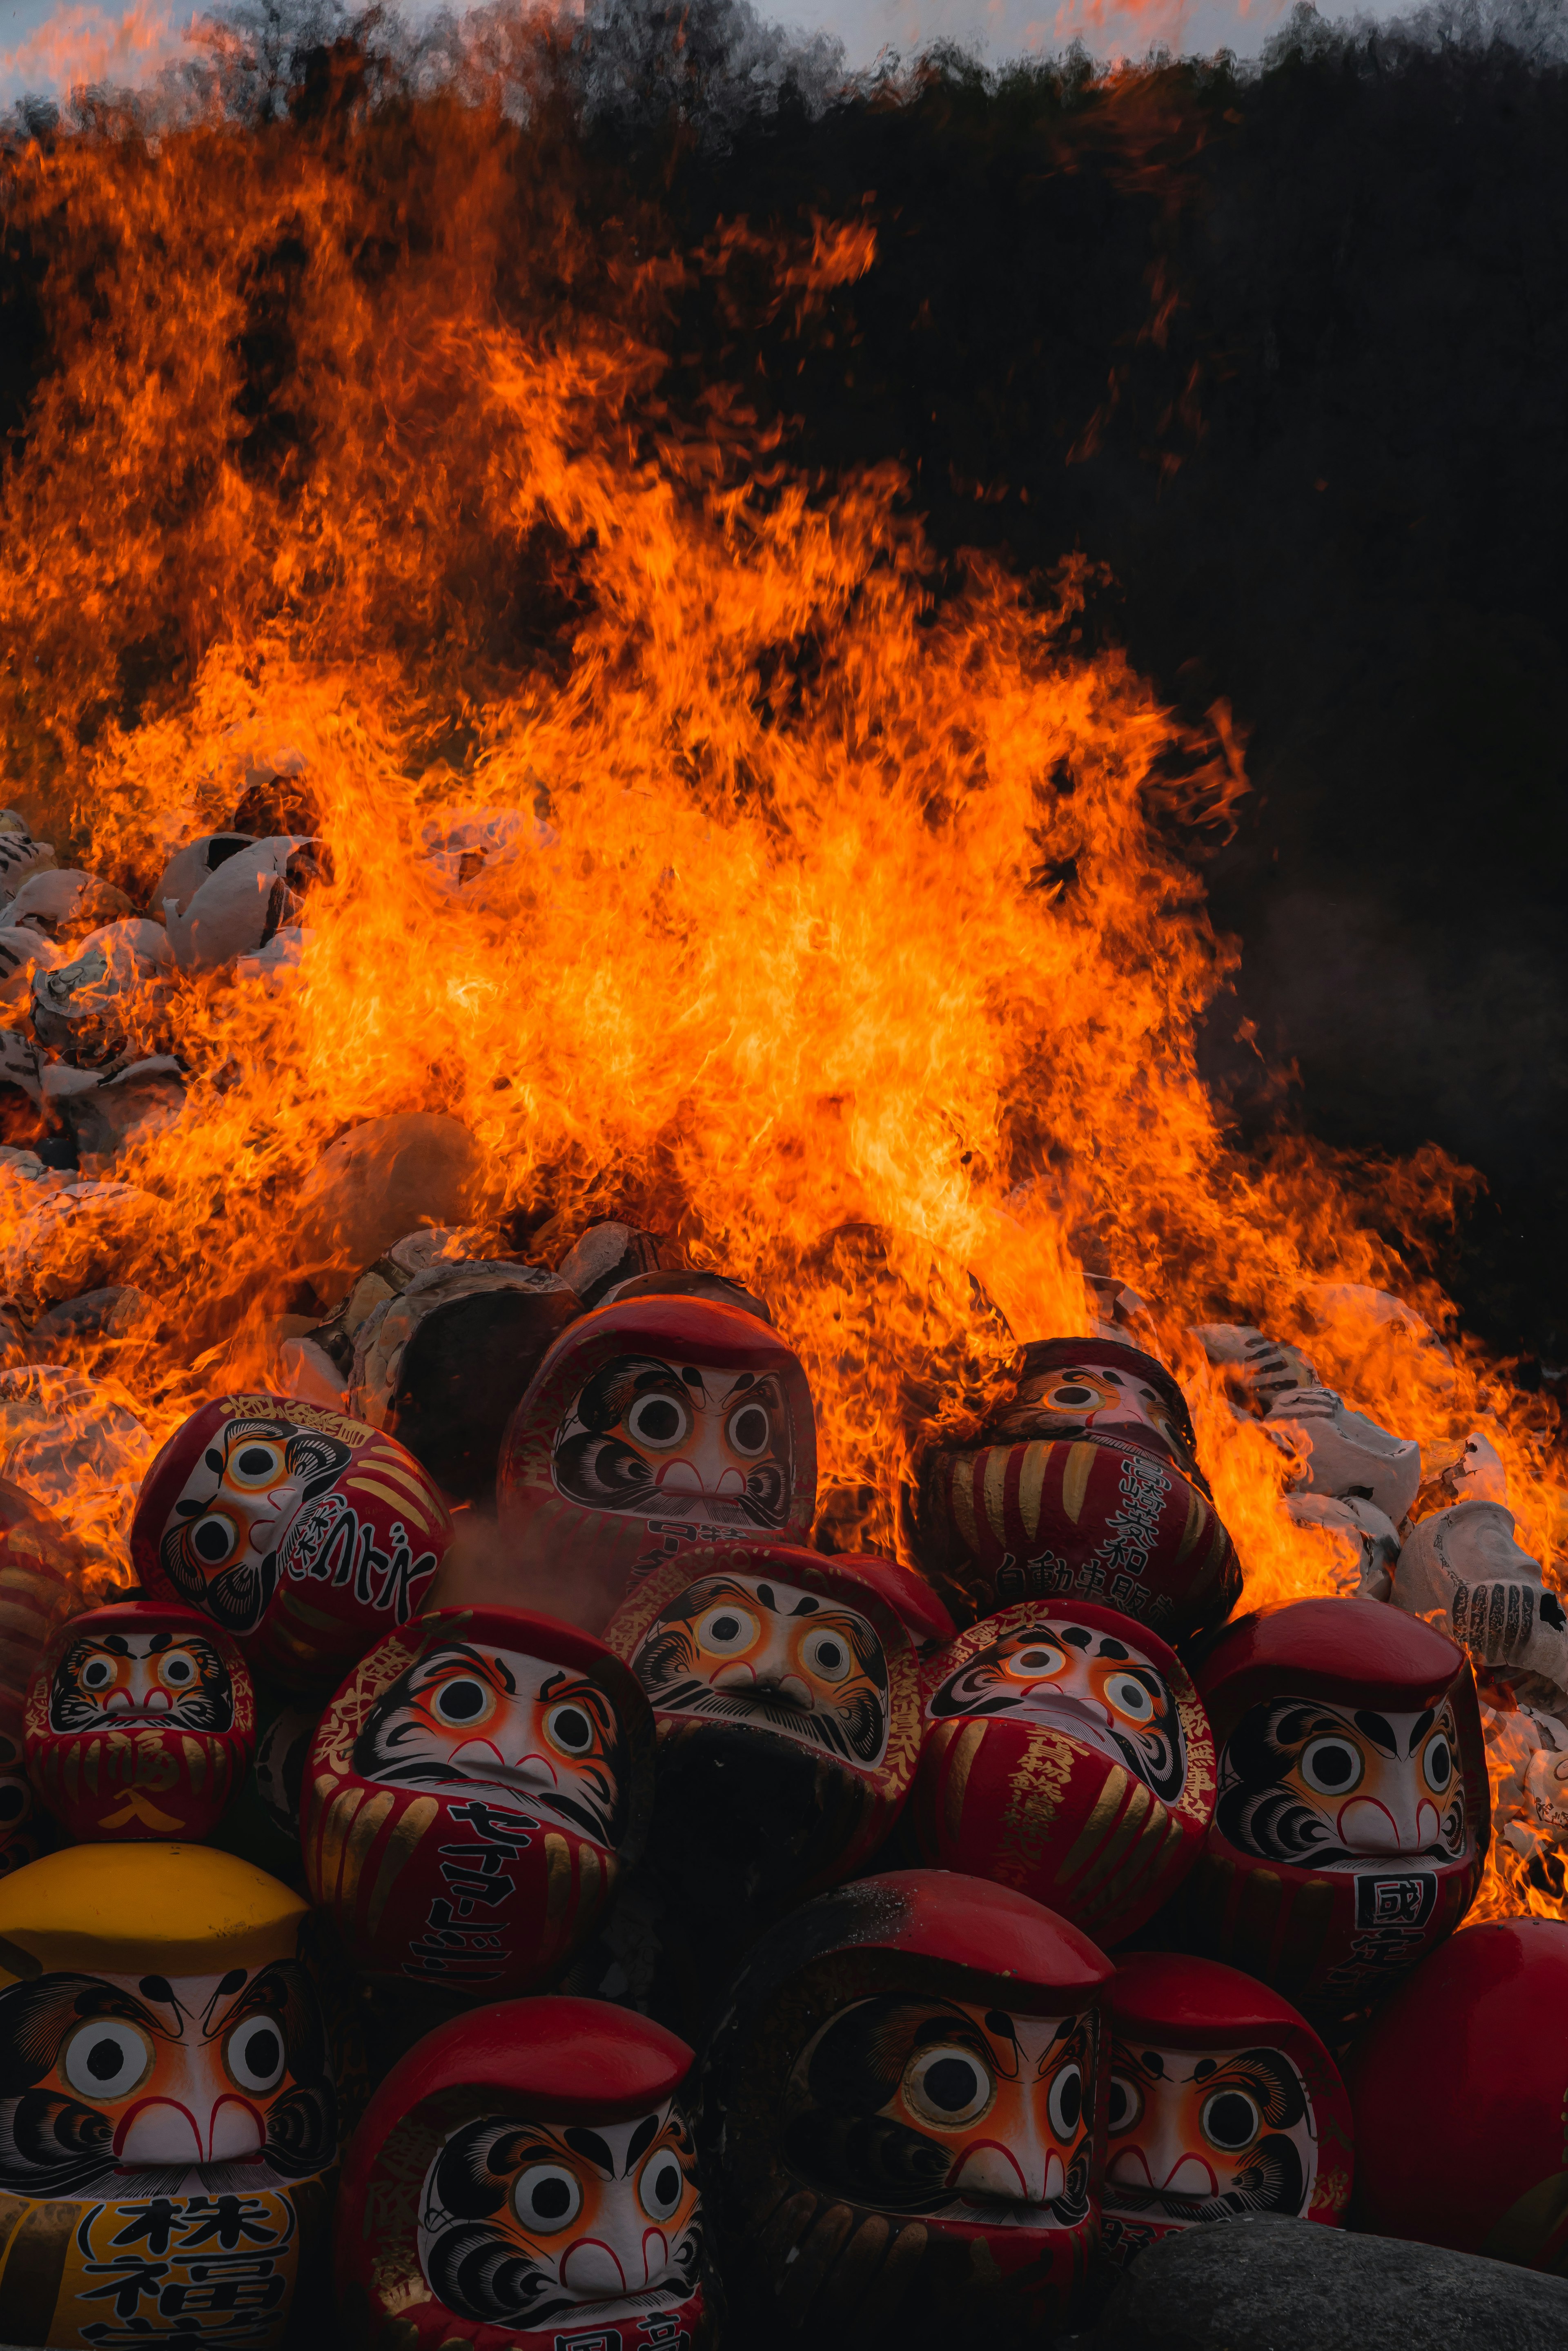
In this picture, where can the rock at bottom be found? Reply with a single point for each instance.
(1268, 2284)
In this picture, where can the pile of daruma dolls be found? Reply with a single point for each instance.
(777, 1961)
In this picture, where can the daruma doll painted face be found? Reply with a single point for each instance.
(1066, 1753)
(471, 1794)
(1223, 2102)
(1354, 1812)
(524, 2178)
(1084, 1487)
(167, 2110)
(305, 1535)
(141, 1723)
(907, 2091)
(654, 1424)
(786, 1691)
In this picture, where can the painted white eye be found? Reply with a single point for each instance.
(1039, 1662)
(659, 1421)
(749, 1429)
(1230, 2120)
(253, 2053)
(568, 1728)
(827, 1654)
(547, 2197)
(461, 1701)
(660, 2184)
(947, 2086)
(253, 1466)
(724, 1632)
(98, 1673)
(1333, 1765)
(178, 1669)
(1438, 1763)
(1064, 2105)
(107, 2059)
(1130, 1698)
(1126, 2103)
(216, 1539)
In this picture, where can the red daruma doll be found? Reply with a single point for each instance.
(472, 1793)
(904, 2103)
(1066, 1753)
(1223, 2102)
(305, 1535)
(652, 1425)
(1354, 1812)
(524, 2179)
(141, 1723)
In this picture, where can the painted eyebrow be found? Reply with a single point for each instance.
(458, 1652)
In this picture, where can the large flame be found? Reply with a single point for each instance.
(836, 901)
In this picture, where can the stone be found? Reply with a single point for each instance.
(1268, 2284)
(375, 1183)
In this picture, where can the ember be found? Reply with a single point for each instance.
(607, 1194)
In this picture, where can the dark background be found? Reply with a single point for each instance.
(1285, 353)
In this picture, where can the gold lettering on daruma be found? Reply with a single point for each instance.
(1036, 1786)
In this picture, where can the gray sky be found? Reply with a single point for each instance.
(48, 44)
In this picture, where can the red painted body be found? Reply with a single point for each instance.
(1460, 2086)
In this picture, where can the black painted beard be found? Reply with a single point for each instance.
(52, 2145)
(854, 1733)
(1273, 2181)
(237, 1599)
(608, 1475)
(592, 1811)
(208, 1704)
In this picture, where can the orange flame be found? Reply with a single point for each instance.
(834, 902)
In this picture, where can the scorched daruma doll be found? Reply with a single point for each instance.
(1223, 2102)
(1085, 1486)
(1066, 1753)
(524, 2179)
(305, 1535)
(471, 1794)
(141, 1723)
(905, 2101)
(167, 2112)
(653, 1425)
(1353, 1811)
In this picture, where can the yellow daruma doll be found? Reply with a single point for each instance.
(167, 2112)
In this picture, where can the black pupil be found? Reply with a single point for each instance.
(1035, 1661)
(751, 1429)
(1069, 2100)
(262, 2052)
(571, 1728)
(178, 1669)
(1334, 1764)
(950, 2083)
(461, 1701)
(1121, 2105)
(828, 1656)
(1438, 1763)
(551, 2199)
(13, 1801)
(254, 1462)
(725, 1628)
(1074, 1396)
(666, 2184)
(1230, 2119)
(105, 2059)
(97, 1675)
(658, 1418)
(212, 1539)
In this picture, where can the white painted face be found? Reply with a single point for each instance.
(119, 2076)
(742, 1649)
(523, 2222)
(1331, 1787)
(1095, 1396)
(647, 1435)
(1083, 1681)
(115, 1679)
(468, 1716)
(1207, 2135)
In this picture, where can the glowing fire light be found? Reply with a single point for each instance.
(835, 904)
